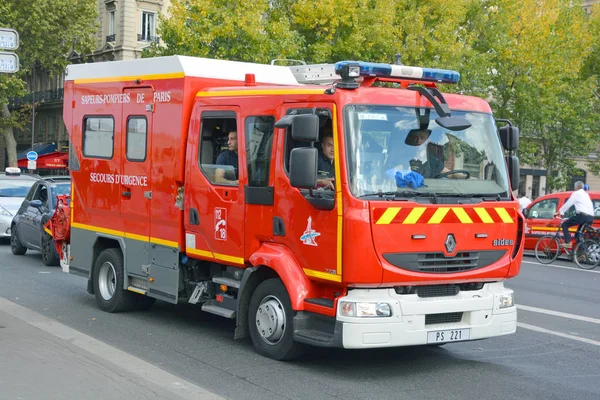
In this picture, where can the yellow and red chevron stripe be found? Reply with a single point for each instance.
(443, 215)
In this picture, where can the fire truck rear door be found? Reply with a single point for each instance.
(134, 179)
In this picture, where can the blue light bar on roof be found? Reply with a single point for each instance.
(402, 72)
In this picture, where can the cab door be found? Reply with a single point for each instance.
(540, 220)
(214, 211)
(313, 236)
(134, 179)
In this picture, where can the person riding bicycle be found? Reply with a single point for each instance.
(584, 211)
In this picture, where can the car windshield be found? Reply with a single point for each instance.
(15, 187)
(402, 151)
(59, 189)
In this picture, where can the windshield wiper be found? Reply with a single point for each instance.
(413, 193)
(386, 195)
(482, 196)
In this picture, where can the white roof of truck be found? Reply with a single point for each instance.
(179, 66)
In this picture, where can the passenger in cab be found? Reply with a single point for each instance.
(228, 157)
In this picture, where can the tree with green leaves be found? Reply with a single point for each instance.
(48, 31)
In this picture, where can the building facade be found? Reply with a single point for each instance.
(126, 28)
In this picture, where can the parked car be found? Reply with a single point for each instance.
(13, 188)
(27, 229)
(539, 215)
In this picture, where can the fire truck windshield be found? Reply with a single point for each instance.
(402, 151)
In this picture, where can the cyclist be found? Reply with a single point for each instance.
(584, 211)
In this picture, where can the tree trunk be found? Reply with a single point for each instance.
(9, 139)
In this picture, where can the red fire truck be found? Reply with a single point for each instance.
(197, 180)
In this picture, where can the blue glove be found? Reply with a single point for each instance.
(410, 178)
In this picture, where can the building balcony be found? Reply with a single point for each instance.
(110, 38)
(44, 96)
(147, 38)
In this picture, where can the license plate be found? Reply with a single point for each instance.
(449, 335)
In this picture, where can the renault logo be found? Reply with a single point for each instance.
(450, 243)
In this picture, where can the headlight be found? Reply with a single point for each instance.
(507, 300)
(4, 211)
(363, 309)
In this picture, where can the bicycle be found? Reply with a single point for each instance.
(549, 247)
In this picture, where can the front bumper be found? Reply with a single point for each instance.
(5, 222)
(481, 315)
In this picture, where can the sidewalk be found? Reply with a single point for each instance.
(43, 359)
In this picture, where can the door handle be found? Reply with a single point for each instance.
(126, 194)
(194, 218)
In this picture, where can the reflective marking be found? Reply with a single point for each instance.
(131, 78)
(202, 253)
(504, 215)
(136, 290)
(439, 215)
(338, 189)
(97, 229)
(484, 215)
(232, 259)
(550, 228)
(414, 215)
(323, 275)
(127, 235)
(388, 215)
(563, 335)
(230, 93)
(133, 236)
(163, 242)
(559, 314)
(47, 231)
(462, 215)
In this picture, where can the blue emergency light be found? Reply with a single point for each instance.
(354, 69)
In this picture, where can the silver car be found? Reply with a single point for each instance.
(14, 186)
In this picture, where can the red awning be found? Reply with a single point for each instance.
(55, 160)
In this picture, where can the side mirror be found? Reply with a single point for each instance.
(512, 163)
(305, 127)
(303, 167)
(509, 136)
(36, 204)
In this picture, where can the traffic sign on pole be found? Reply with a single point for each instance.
(9, 39)
(9, 62)
(32, 155)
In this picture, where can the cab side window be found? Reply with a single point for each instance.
(218, 154)
(325, 123)
(41, 194)
(596, 209)
(545, 209)
(259, 144)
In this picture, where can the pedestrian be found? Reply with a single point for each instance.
(524, 201)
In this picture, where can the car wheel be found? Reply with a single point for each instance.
(270, 319)
(108, 283)
(16, 246)
(49, 254)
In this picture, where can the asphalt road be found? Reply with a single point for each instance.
(555, 353)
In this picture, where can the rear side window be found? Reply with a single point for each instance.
(98, 137)
(137, 134)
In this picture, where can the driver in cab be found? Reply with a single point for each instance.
(404, 156)
(325, 163)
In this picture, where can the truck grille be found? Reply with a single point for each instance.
(438, 262)
(432, 319)
(437, 290)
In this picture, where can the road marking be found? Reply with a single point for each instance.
(563, 335)
(558, 314)
(561, 266)
(133, 365)
(44, 272)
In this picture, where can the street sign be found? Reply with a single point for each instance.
(9, 62)
(31, 164)
(9, 39)
(32, 156)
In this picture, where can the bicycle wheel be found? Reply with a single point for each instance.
(587, 254)
(547, 249)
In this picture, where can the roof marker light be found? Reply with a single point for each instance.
(402, 71)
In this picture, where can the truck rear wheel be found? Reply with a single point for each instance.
(108, 283)
(270, 319)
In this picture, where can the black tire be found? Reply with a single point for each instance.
(49, 254)
(547, 249)
(587, 254)
(144, 303)
(16, 246)
(271, 302)
(108, 283)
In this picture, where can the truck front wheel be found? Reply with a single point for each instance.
(270, 319)
(108, 283)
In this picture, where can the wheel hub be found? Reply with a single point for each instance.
(270, 320)
(107, 281)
